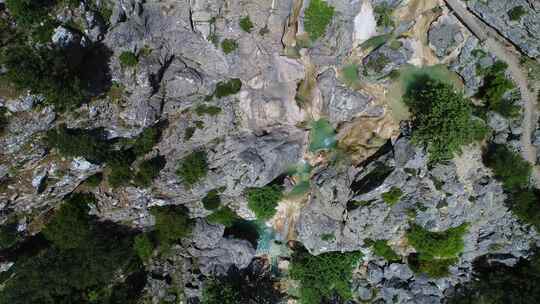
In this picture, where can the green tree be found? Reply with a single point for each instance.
(172, 224)
(229, 45)
(128, 59)
(143, 246)
(494, 88)
(323, 275)
(317, 16)
(442, 118)
(70, 227)
(508, 167)
(245, 24)
(212, 200)
(263, 201)
(149, 170)
(392, 196)
(224, 216)
(193, 168)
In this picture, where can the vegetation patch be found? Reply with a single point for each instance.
(392, 196)
(508, 167)
(148, 170)
(224, 216)
(128, 59)
(317, 17)
(82, 258)
(516, 13)
(144, 246)
(245, 24)
(435, 250)
(212, 200)
(229, 45)
(383, 14)
(227, 88)
(442, 118)
(172, 224)
(496, 85)
(322, 276)
(263, 201)
(381, 248)
(350, 74)
(203, 109)
(193, 168)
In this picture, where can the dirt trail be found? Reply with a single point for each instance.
(506, 52)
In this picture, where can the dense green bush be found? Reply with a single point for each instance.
(516, 13)
(29, 12)
(224, 216)
(508, 167)
(444, 244)
(172, 224)
(9, 235)
(495, 86)
(84, 258)
(381, 248)
(435, 250)
(525, 205)
(383, 15)
(496, 283)
(263, 201)
(193, 168)
(128, 59)
(442, 118)
(392, 196)
(323, 275)
(251, 285)
(203, 109)
(212, 200)
(45, 71)
(120, 168)
(89, 144)
(148, 138)
(226, 88)
(143, 246)
(149, 170)
(94, 180)
(317, 16)
(229, 45)
(70, 227)
(245, 24)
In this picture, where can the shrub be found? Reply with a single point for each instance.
(444, 244)
(245, 24)
(47, 72)
(508, 167)
(323, 275)
(383, 14)
(94, 180)
(172, 224)
(392, 197)
(210, 110)
(442, 118)
(29, 12)
(524, 204)
(228, 46)
(516, 13)
(436, 251)
(212, 200)
(381, 248)
(143, 246)
(226, 88)
(224, 216)
(252, 285)
(70, 226)
(149, 170)
(120, 172)
(263, 201)
(350, 74)
(9, 235)
(317, 16)
(193, 168)
(89, 144)
(128, 59)
(495, 86)
(148, 138)
(84, 256)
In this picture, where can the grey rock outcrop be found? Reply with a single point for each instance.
(382, 61)
(445, 35)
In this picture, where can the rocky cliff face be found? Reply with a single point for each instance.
(248, 94)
